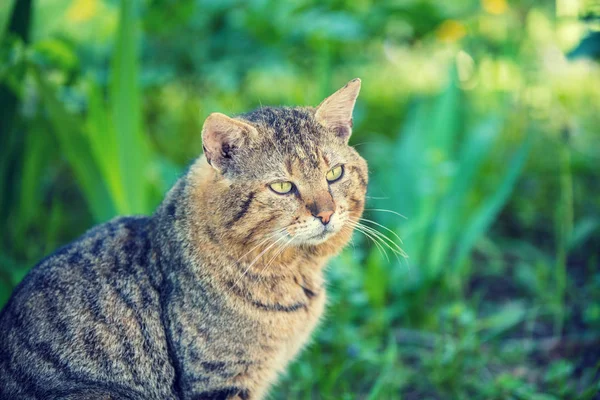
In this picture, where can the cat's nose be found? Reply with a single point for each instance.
(324, 216)
(322, 207)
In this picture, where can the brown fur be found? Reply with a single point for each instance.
(204, 299)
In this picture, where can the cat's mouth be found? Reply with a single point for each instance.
(314, 232)
(323, 235)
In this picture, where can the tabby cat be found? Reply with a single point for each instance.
(213, 295)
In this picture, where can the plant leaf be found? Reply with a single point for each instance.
(487, 213)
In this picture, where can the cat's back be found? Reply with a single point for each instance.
(87, 315)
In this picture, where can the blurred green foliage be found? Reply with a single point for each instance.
(476, 127)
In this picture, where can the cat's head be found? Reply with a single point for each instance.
(288, 173)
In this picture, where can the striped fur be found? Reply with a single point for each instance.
(179, 305)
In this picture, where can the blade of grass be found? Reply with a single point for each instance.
(445, 118)
(564, 230)
(478, 144)
(103, 143)
(486, 214)
(33, 165)
(386, 381)
(76, 149)
(505, 319)
(19, 28)
(409, 185)
(19, 22)
(435, 149)
(582, 231)
(126, 111)
(375, 283)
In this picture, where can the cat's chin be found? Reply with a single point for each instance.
(317, 239)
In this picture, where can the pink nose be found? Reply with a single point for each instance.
(324, 216)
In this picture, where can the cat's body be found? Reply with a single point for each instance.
(213, 295)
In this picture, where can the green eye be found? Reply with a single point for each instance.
(335, 173)
(281, 187)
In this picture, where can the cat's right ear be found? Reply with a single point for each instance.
(335, 112)
(222, 137)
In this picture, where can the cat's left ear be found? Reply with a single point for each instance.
(335, 112)
(222, 137)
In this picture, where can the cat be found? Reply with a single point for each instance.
(216, 292)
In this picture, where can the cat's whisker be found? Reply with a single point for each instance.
(270, 236)
(256, 259)
(379, 247)
(264, 251)
(360, 144)
(350, 230)
(279, 251)
(387, 211)
(375, 241)
(385, 240)
(382, 226)
(396, 254)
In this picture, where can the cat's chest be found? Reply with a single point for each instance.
(284, 333)
(284, 309)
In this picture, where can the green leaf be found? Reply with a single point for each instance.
(57, 52)
(487, 213)
(77, 151)
(505, 319)
(582, 231)
(36, 144)
(103, 143)
(376, 278)
(133, 151)
(445, 118)
(477, 146)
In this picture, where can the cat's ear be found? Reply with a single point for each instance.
(335, 112)
(222, 136)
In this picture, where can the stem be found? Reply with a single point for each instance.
(564, 230)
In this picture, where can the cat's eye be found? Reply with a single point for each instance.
(335, 173)
(281, 187)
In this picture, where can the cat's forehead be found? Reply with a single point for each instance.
(287, 127)
(292, 133)
(289, 139)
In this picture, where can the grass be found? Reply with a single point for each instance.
(498, 298)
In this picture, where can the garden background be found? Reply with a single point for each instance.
(480, 122)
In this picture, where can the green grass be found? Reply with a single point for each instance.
(498, 298)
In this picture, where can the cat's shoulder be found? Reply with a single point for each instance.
(104, 250)
(103, 241)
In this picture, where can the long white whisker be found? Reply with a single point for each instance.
(346, 227)
(382, 226)
(358, 227)
(384, 210)
(386, 241)
(271, 236)
(383, 237)
(279, 251)
(379, 247)
(257, 257)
